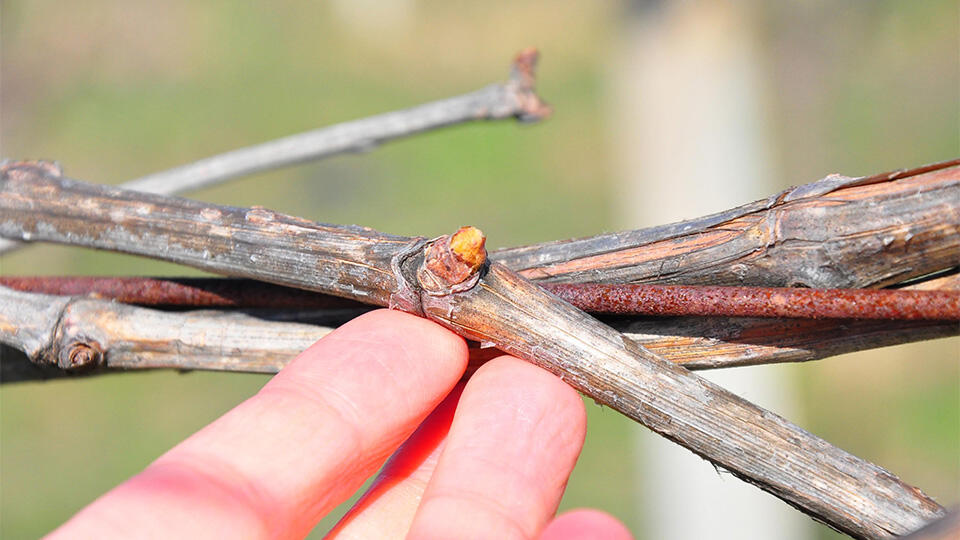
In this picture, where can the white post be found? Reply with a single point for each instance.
(688, 123)
(377, 20)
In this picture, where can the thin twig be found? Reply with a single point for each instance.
(484, 302)
(628, 299)
(192, 293)
(618, 299)
(515, 98)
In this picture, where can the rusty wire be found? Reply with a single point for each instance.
(622, 299)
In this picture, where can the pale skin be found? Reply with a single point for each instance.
(489, 459)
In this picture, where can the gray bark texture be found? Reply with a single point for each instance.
(839, 232)
(513, 99)
(494, 305)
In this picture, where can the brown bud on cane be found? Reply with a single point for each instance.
(453, 263)
(80, 355)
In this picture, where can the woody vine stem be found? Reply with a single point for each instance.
(450, 280)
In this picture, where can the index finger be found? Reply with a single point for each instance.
(279, 461)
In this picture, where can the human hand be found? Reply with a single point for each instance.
(488, 460)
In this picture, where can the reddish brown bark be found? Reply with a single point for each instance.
(660, 300)
(761, 301)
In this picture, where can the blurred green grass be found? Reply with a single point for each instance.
(116, 90)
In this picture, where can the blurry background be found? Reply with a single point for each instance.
(114, 90)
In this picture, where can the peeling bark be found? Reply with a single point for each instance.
(500, 307)
(840, 232)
